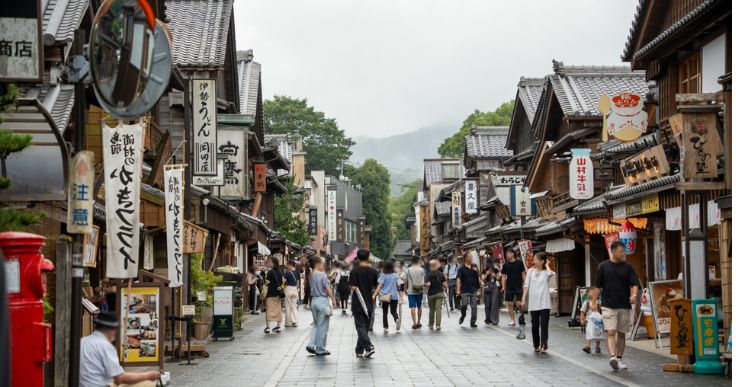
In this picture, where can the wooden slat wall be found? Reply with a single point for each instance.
(171, 118)
(677, 10)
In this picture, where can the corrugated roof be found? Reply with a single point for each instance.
(60, 19)
(578, 88)
(249, 81)
(200, 30)
(487, 142)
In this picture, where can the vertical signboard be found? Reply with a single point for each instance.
(521, 204)
(705, 322)
(231, 143)
(81, 202)
(681, 324)
(340, 225)
(259, 177)
(424, 229)
(174, 187)
(331, 215)
(312, 221)
(141, 336)
(471, 197)
(457, 214)
(581, 174)
(526, 253)
(702, 145)
(123, 157)
(204, 118)
(361, 228)
(21, 49)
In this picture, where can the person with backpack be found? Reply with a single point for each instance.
(415, 290)
(274, 294)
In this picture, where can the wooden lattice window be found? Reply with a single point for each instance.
(689, 74)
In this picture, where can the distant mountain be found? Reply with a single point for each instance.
(403, 153)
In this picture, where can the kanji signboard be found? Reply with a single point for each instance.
(231, 143)
(457, 212)
(204, 111)
(21, 48)
(471, 197)
(581, 174)
(81, 201)
(174, 190)
(331, 214)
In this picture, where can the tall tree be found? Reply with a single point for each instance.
(324, 142)
(285, 209)
(374, 181)
(402, 206)
(454, 146)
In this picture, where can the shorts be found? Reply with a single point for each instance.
(514, 294)
(415, 300)
(616, 319)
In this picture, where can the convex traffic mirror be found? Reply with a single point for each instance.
(130, 58)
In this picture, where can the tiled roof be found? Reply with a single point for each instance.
(60, 19)
(529, 93)
(594, 205)
(487, 142)
(578, 88)
(642, 189)
(58, 100)
(402, 248)
(249, 81)
(635, 29)
(433, 169)
(554, 227)
(615, 147)
(200, 31)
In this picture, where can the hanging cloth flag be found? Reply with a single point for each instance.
(123, 157)
(148, 252)
(174, 189)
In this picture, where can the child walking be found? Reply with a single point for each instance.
(590, 313)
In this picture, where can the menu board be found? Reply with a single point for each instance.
(141, 334)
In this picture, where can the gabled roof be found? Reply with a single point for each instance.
(200, 31)
(433, 170)
(528, 95)
(487, 142)
(578, 88)
(249, 81)
(60, 19)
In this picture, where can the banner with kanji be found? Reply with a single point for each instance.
(174, 192)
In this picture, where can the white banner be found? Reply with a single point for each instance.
(81, 187)
(507, 180)
(673, 216)
(331, 215)
(204, 111)
(581, 174)
(471, 196)
(123, 157)
(231, 141)
(174, 192)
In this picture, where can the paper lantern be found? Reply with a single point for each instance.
(627, 236)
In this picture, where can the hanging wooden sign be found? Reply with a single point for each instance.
(650, 164)
(259, 177)
(204, 106)
(194, 238)
(701, 144)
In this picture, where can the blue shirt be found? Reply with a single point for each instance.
(318, 281)
(389, 285)
(291, 277)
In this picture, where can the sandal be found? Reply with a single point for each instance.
(267, 330)
(277, 330)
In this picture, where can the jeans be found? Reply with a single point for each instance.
(252, 298)
(491, 302)
(540, 319)
(292, 294)
(318, 338)
(385, 305)
(472, 299)
(435, 308)
(451, 289)
(362, 323)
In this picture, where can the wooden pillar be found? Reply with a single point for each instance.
(725, 228)
(63, 311)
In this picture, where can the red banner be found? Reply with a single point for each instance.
(610, 238)
(259, 177)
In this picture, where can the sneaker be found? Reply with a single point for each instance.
(311, 350)
(276, 330)
(621, 365)
(369, 352)
(521, 334)
(614, 363)
(511, 323)
(266, 330)
(439, 327)
(398, 324)
(598, 350)
(385, 330)
(462, 318)
(586, 349)
(473, 325)
(325, 353)
(359, 355)
(344, 313)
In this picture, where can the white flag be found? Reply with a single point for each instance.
(173, 179)
(123, 157)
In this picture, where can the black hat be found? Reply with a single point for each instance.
(107, 319)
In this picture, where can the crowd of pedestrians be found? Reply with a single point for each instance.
(451, 285)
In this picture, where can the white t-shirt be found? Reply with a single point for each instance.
(98, 361)
(538, 284)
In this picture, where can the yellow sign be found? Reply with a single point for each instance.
(624, 117)
(424, 229)
(650, 204)
(140, 324)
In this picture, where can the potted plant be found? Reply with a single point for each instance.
(202, 282)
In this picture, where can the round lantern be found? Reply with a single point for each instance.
(627, 236)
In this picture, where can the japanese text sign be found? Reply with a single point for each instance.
(81, 200)
(259, 177)
(471, 197)
(123, 156)
(681, 326)
(204, 112)
(332, 215)
(174, 190)
(194, 238)
(581, 174)
(457, 212)
(21, 48)
(705, 323)
(521, 204)
(312, 225)
(702, 145)
(340, 224)
(507, 180)
(526, 253)
(231, 142)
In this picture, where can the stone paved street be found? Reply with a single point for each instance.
(455, 355)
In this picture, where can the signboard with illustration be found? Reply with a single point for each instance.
(662, 293)
(624, 117)
(609, 239)
(705, 322)
(141, 336)
(581, 174)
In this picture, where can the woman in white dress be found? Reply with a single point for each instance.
(536, 287)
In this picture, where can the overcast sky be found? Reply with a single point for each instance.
(384, 67)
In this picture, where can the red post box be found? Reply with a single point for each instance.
(30, 337)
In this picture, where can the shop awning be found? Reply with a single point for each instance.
(602, 226)
(262, 249)
(559, 245)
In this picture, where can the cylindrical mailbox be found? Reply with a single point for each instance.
(30, 337)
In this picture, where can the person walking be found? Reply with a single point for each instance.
(307, 272)
(387, 292)
(274, 293)
(322, 301)
(451, 275)
(292, 293)
(415, 290)
(536, 286)
(512, 283)
(436, 284)
(251, 280)
(490, 279)
(466, 287)
(363, 279)
(343, 288)
(619, 285)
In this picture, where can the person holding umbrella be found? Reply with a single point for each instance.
(363, 279)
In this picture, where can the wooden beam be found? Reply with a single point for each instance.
(700, 185)
(257, 205)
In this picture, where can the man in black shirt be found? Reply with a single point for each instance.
(363, 280)
(619, 286)
(513, 275)
(466, 287)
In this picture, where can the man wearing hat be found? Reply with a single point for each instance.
(99, 364)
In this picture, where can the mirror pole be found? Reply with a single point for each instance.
(186, 299)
